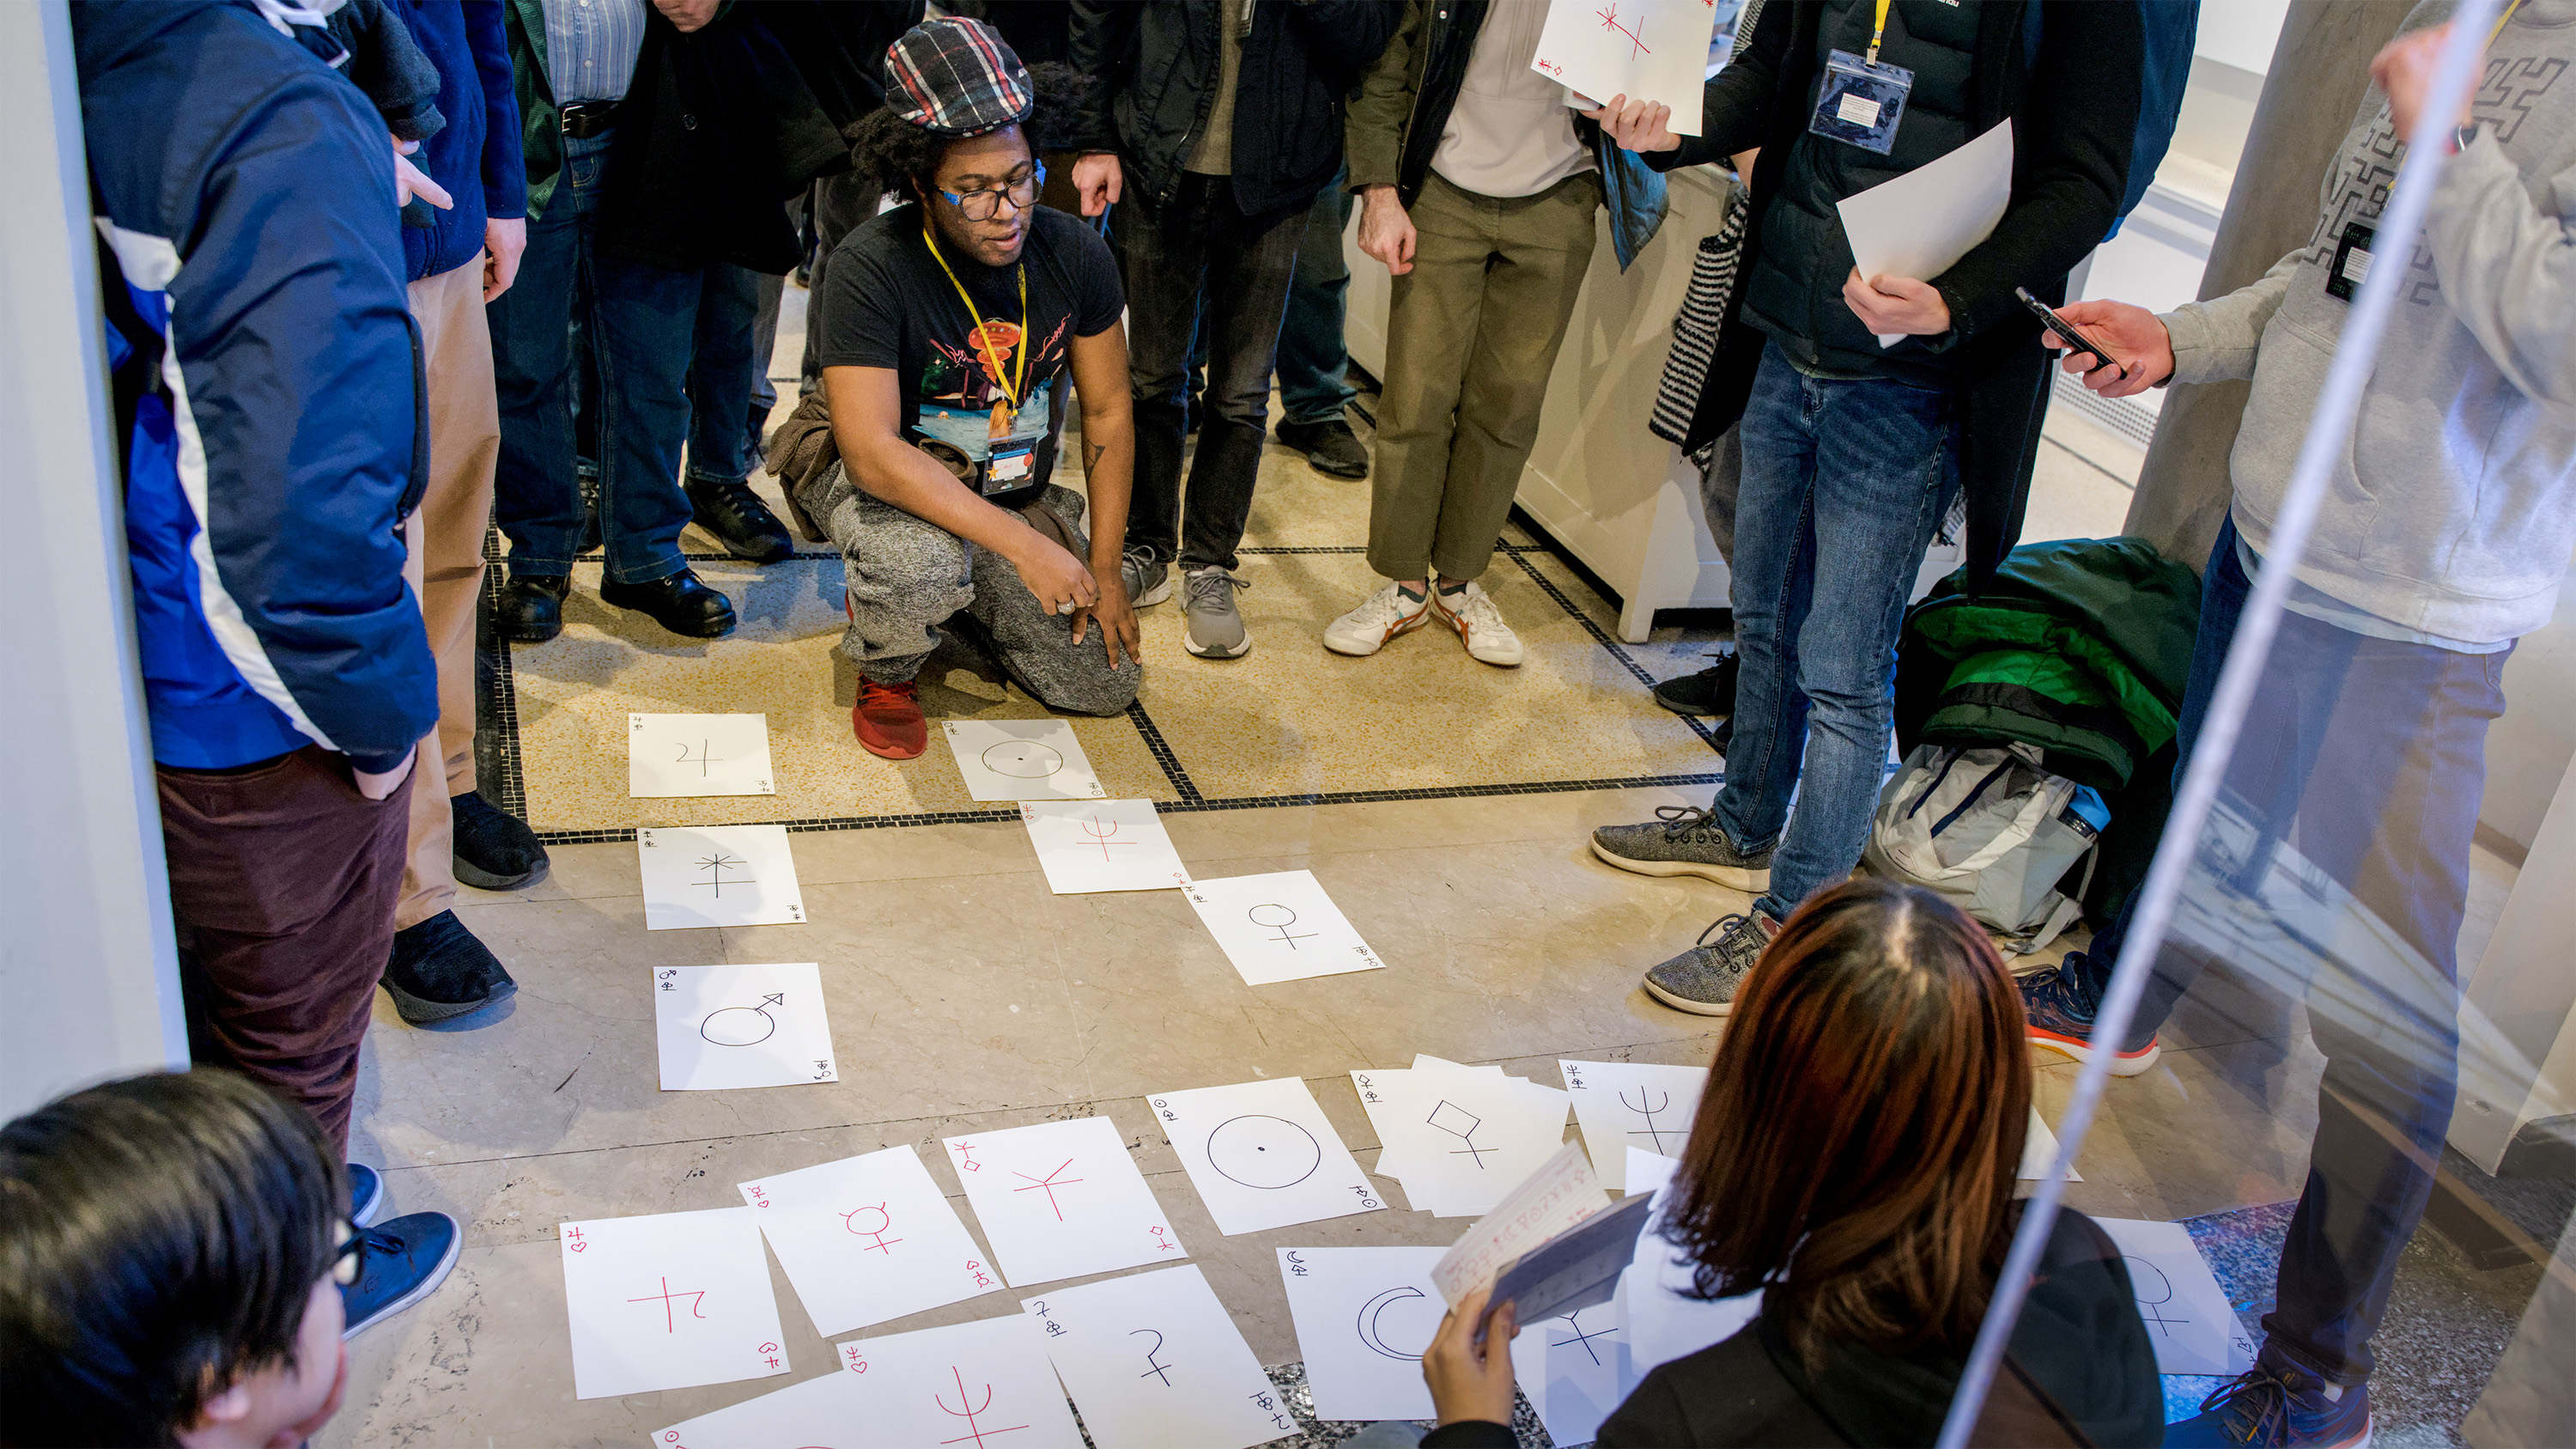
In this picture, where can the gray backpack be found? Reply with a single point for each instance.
(1993, 833)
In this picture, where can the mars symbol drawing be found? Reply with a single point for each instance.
(741, 1026)
(1267, 1152)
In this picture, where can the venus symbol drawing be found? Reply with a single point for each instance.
(742, 1026)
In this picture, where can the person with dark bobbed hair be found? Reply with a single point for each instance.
(177, 1266)
(1854, 1161)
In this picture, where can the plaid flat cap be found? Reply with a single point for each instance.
(954, 77)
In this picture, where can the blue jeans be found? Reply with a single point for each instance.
(724, 374)
(1860, 473)
(639, 321)
(1312, 358)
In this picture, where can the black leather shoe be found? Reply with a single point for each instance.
(531, 607)
(678, 603)
(492, 850)
(1330, 447)
(1709, 693)
(729, 509)
(439, 971)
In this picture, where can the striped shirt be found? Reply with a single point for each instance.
(591, 47)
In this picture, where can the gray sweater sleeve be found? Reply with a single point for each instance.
(2507, 265)
(2215, 341)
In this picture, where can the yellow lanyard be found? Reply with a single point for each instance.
(983, 335)
(1878, 32)
(2502, 21)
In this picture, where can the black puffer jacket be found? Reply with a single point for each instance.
(1150, 71)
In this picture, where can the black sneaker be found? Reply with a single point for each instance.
(1330, 447)
(366, 1194)
(439, 972)
(399, 1263)
(727, 508)
(1710, 692)
(494, 851)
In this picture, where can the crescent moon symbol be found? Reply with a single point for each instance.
(1368, 1321)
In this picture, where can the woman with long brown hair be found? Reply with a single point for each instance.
(1854, 1161)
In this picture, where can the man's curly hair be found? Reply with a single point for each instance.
(889, 153)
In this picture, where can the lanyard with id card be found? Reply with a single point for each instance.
(1011, 458)
(1862, 100)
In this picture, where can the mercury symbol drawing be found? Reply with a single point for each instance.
(1050, 1184)
(1100, 836)
(714, 867)
(1371, 1332)
(742, 1026)
(962, 1412)
(670, 1319)
(885, 1225)
(1153, 1370)
(1282, 919)
(1022, 759)
(1265, 1152)
(1650, 1131)
(1446, 1116)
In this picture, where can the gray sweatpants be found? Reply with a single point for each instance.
(907, 577)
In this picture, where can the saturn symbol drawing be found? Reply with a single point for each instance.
(742, 1026)
(1269, 1152)
(1022, 759)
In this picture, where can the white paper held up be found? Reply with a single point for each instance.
(2187, 1314)
(818, 1412)
(671, 755)
(1154, 1359)
(1561, 1193)
(718, 875)
(1658, 1297)
(868, 1239)
(1021, 759)
(1262, 1155)
(1648, 1171)
(1279, 927)
(1646, 50)
(1919, 224)
(741, 1026)
(1631, 1104)
(1088, 846)
(985, 1383)
(668, 1301)
(1062, 1200)
(1363, 1318)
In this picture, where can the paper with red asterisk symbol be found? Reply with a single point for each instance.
(1062, 1200)
(868, 1239)
(668, 1301)
(980, 1385)
(1649, 50)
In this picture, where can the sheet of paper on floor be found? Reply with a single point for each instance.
(1920, 223)
(967, 1383)
(1457, 1138)
(1664, 1320)
(1263, 1155)
(1647, 1171)
(1391, 1163)
(2038, 1149)
(816, 1412)
(1559, 1193)
(718, 875)
(1646, 50)
(741, 1026)
(868, 1239)
(672, 755)
(1279, 927)
(2187, 1314)
(1570, 1368)
(1021, 759)
(668, 1301)
(1154, 1359)
(1631, 1104)
(1088, 846)
(1062, 1200)
(1363, 1317)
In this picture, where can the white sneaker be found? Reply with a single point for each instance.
(1376, 622)
(1471, 612)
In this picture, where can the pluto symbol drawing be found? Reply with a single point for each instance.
(1269, 1152)
(1022, 759)
(742, 1026)
(1370, 1328)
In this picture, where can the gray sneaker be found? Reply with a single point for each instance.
(1207, 601)
(1148, 580)
(1682, 840)
(1703, 980)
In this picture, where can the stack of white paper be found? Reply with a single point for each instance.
(1459, 1138)
(1630, 1104)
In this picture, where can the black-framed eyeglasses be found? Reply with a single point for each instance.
(984, 205)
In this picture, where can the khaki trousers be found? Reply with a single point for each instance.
(446, 567)
(1471, 336)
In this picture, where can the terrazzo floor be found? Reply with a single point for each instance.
(1445, 807)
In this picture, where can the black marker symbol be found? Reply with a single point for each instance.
(742, 1026)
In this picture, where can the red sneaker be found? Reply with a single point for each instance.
(887, 720)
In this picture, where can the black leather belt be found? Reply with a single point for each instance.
(582, 120)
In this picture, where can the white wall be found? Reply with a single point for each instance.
(88, 980)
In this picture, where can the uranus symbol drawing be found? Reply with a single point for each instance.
(1371, 1330)
(741, 1026)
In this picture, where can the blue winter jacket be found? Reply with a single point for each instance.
(477, 158)
(269, 393)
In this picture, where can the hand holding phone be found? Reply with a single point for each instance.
(2119, 350)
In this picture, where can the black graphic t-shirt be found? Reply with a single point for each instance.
(885, 302)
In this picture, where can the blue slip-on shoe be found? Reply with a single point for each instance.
(402, 1261)
(366, 1194)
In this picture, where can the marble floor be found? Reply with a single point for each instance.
(1444, 808)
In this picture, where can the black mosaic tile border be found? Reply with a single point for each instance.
(496, 708)
(1162, 752)
(1602, 637)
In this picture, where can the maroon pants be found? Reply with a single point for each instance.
(282, 883)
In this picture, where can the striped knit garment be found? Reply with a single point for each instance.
(1704, 305)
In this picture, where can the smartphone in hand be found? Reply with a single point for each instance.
(2075, 341)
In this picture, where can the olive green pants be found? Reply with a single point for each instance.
(1471, 336)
